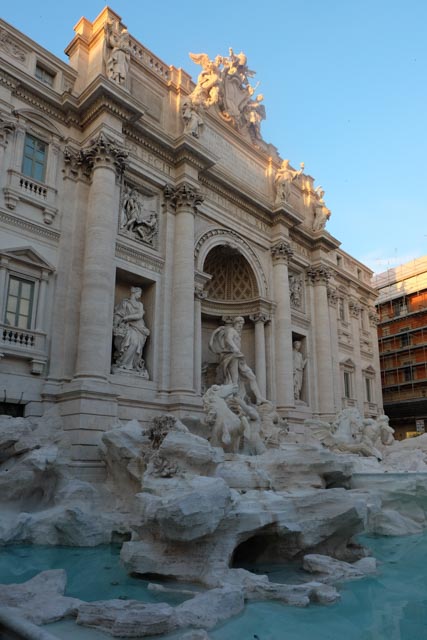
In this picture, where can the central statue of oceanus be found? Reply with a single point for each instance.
(232, 367)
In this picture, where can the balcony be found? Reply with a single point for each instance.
(25, 189)
(24, 343)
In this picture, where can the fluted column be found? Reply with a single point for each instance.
(184, 200)
(282, 252)
(333, 319)
(373, 324)
(259, 321)
(105, 159)
(318, 277)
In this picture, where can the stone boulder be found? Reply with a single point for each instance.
(40, 600)
(330, 570)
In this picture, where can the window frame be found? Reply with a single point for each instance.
(32, 173)
(32, 306)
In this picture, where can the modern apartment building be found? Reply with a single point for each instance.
(402, 335)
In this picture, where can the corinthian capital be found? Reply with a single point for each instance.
(183, 196)
(104, 151)
(318, 274)
(282, 251)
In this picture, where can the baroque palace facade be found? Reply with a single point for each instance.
(139, 213)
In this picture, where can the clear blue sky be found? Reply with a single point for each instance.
(345, 89)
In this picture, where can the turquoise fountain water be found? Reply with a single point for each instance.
(389, 606)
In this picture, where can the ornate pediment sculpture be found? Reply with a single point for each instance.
(321, 211)
(224, 82)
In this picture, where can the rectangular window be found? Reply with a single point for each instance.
(347, 384)
(19, 303)
(44, 75)
(407, 374)
(34, 161)
(404, 340)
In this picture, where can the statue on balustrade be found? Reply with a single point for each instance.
(284, 178)
(321, 211)
(118, 59)
(233, 368)
(130, 335)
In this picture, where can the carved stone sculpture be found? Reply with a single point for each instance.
(226, 426)
(224, 82)
(285, 175)
(138, 215)
(321, 212)
(192, 120)
(130, 335)
(232, 368)
(299, 363)
(295, 291)
(118, 56)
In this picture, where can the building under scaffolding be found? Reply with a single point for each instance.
(402, 336)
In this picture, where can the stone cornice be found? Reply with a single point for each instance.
(32, 227)
(234, 196)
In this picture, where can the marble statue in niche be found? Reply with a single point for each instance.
(284, 178)
(299, 363)
(118, 55)
(296, 291)
(321, 212)
(138, 216)
(130, 335)
(224, 82)
(233, 368)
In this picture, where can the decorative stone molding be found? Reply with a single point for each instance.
(74, 164)
(332, 296)
(282, 251)
(373, 317)
(30, 227)
(354, 308)
(103, 151)
(6, 127)
(199, 291)
(141, 259)
(318, 274)
(184, 195)
(260, 317)
(296, 292)
(10, 46)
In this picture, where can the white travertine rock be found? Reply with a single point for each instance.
(191, 452)
(210, 608)
(31, 476)
(330, 570)
(121, 449)
(186, 509)
(129, 618)
(41, 600)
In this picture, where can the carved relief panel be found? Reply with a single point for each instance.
(139, 218)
